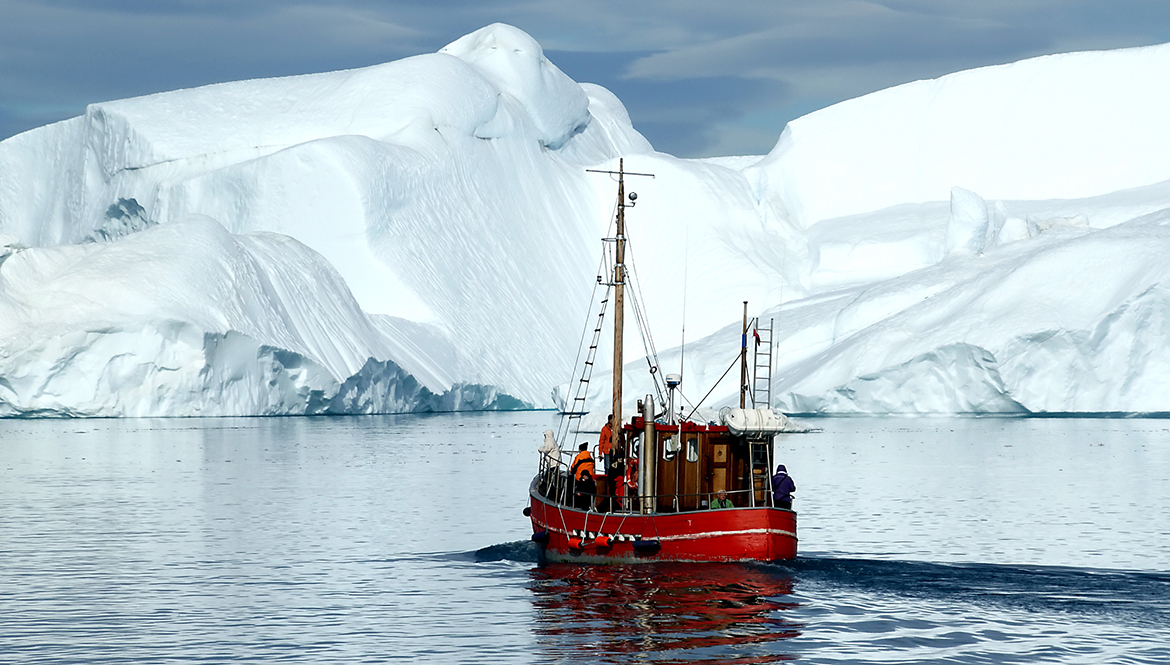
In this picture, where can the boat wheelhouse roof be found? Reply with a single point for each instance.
(638, 424)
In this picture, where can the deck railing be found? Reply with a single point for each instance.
(556, 483)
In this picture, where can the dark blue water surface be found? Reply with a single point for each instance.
(400, 538)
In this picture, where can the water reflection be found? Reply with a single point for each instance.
(664, 614)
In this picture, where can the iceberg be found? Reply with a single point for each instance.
(186, 319)
(1067, 126)
(424, 234)
(462, 156)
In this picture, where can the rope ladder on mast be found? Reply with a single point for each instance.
(581, 392)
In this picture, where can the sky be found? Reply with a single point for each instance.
(699, 78)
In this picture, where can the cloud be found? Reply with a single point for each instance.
(835, 50)
(867, 35)
(696, 76)
(677, 116)
(65, 55)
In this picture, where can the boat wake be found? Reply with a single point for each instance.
(1115, 594)
(520, 551)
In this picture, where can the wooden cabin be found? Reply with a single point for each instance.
(695, 461)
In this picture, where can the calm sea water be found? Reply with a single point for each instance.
(379, 539)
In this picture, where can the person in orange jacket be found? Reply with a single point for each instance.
(584, 487)
(582, 462)
(605, 441)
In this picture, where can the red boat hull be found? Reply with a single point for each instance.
(733, 534)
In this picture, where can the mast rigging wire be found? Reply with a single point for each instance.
(644, 326)
(563, 429)
(733, 362)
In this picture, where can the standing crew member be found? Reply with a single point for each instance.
(605, 441)
(612, 456)
(582, 462)
(550, 455)
(582, 471)
(586, 492)
(782, 487)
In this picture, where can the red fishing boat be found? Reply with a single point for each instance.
(673, 488)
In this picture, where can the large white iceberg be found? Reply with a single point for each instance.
(186, 319)
(445, 189)
(1066, 126)
(424, 235)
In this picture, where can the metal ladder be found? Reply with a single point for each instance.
(762, 368)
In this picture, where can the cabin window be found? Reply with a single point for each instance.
(670, 448)
(760, 454)
(693, 449)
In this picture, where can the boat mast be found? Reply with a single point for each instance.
(619, 282)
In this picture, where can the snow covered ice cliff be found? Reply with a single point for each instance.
(423, 235)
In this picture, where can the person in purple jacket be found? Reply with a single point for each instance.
(782, 487)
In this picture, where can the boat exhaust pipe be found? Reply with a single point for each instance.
(647, 457)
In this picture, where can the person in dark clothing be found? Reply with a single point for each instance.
(782, 487)
(582, 471)
(585, 491)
